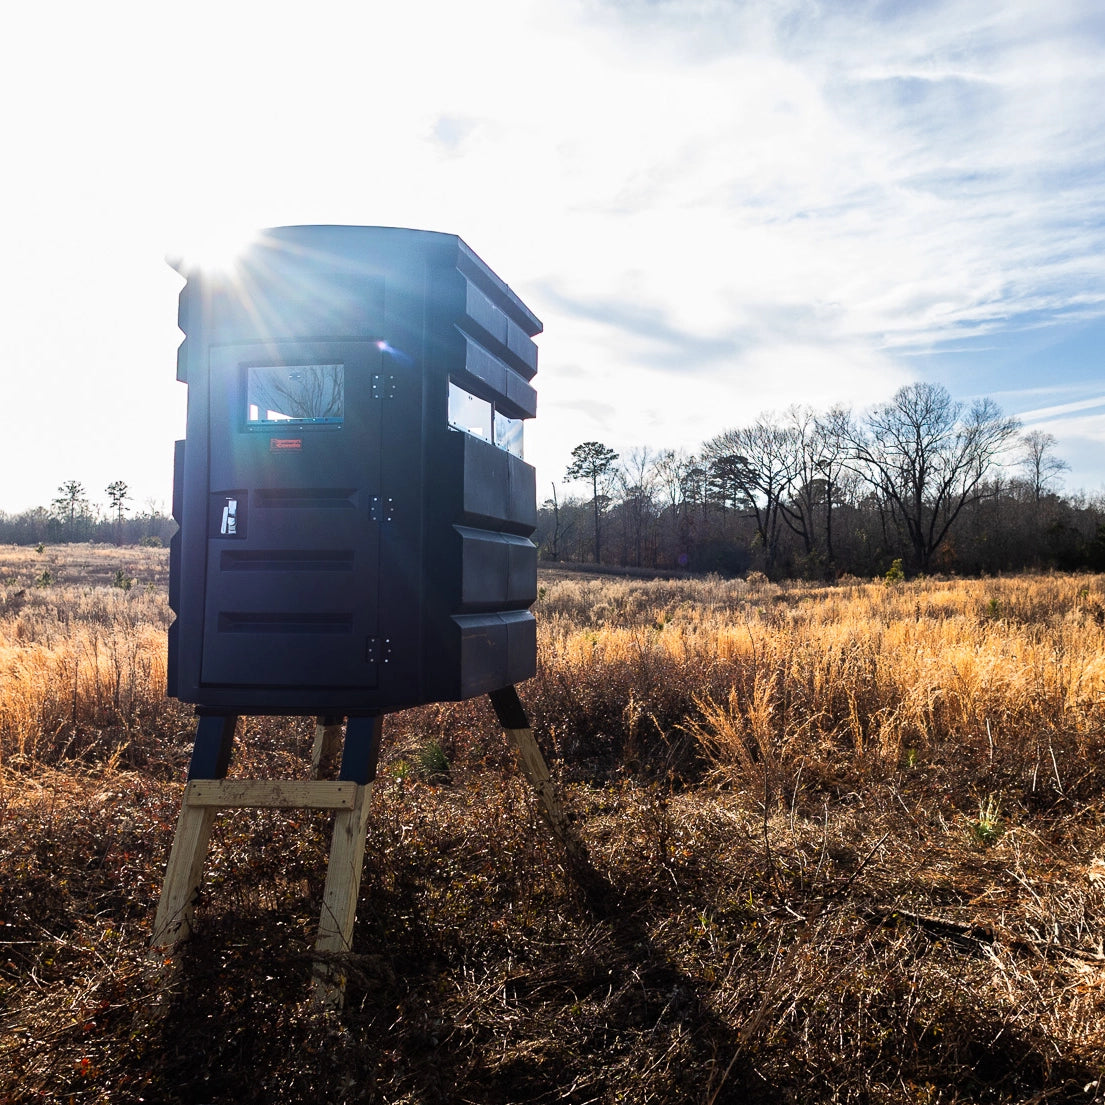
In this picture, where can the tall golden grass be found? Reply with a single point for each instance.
(872, 674)
(751, 675)
(82, 651)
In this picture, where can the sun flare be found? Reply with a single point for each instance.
(214, 248)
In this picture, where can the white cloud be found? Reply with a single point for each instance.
(1052, 414)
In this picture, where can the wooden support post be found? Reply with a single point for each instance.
(175, 910)
(210, 760)
(512, 717)
(343, 873)
(339, 899)
(203, 798)
(207, 793)
(327, 747)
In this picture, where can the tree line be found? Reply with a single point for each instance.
(72, 516)
(921, 481)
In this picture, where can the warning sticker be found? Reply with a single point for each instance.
(285, 444)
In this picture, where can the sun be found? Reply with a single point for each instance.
(214, 248)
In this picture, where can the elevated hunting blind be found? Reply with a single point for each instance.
(355, 520)
(353, 505)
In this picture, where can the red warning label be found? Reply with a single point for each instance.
(285, 444)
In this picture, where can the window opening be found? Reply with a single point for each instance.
(508, 433)
(277, 395)
(472, 415)
(469, 413)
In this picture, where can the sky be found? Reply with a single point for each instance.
(718, 208)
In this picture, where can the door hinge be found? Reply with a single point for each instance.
(381, 510)
(383, 386)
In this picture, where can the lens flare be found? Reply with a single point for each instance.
(396, 354)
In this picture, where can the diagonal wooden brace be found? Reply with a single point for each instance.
(512, 717)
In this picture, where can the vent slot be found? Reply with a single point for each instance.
(286, 560)
(318, 498)
(274, 622)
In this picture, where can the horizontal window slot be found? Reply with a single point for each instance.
(286, 560)
(275, 622)
(324, 498)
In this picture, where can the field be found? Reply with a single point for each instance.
(851, 840)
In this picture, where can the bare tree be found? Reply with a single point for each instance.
(677, 476)
(670, 471)
(637, 477)
(696, 484)
(819, 455)
(1038, 462)
(754, 468)
(928, 456)
(831, 462)
(554, 537)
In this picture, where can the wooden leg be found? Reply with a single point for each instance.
(512, 717)
(339, 900)
(327, 748)
(175, 910)
(210, 760)
(209, 790)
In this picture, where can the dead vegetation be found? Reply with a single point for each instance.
(851, 835)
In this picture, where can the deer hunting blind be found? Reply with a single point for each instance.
(353, 505)
(354, 521)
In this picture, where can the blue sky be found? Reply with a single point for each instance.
(717, 208)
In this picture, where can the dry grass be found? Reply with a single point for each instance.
(82, 652)
(851, 834)
(1003, 675)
